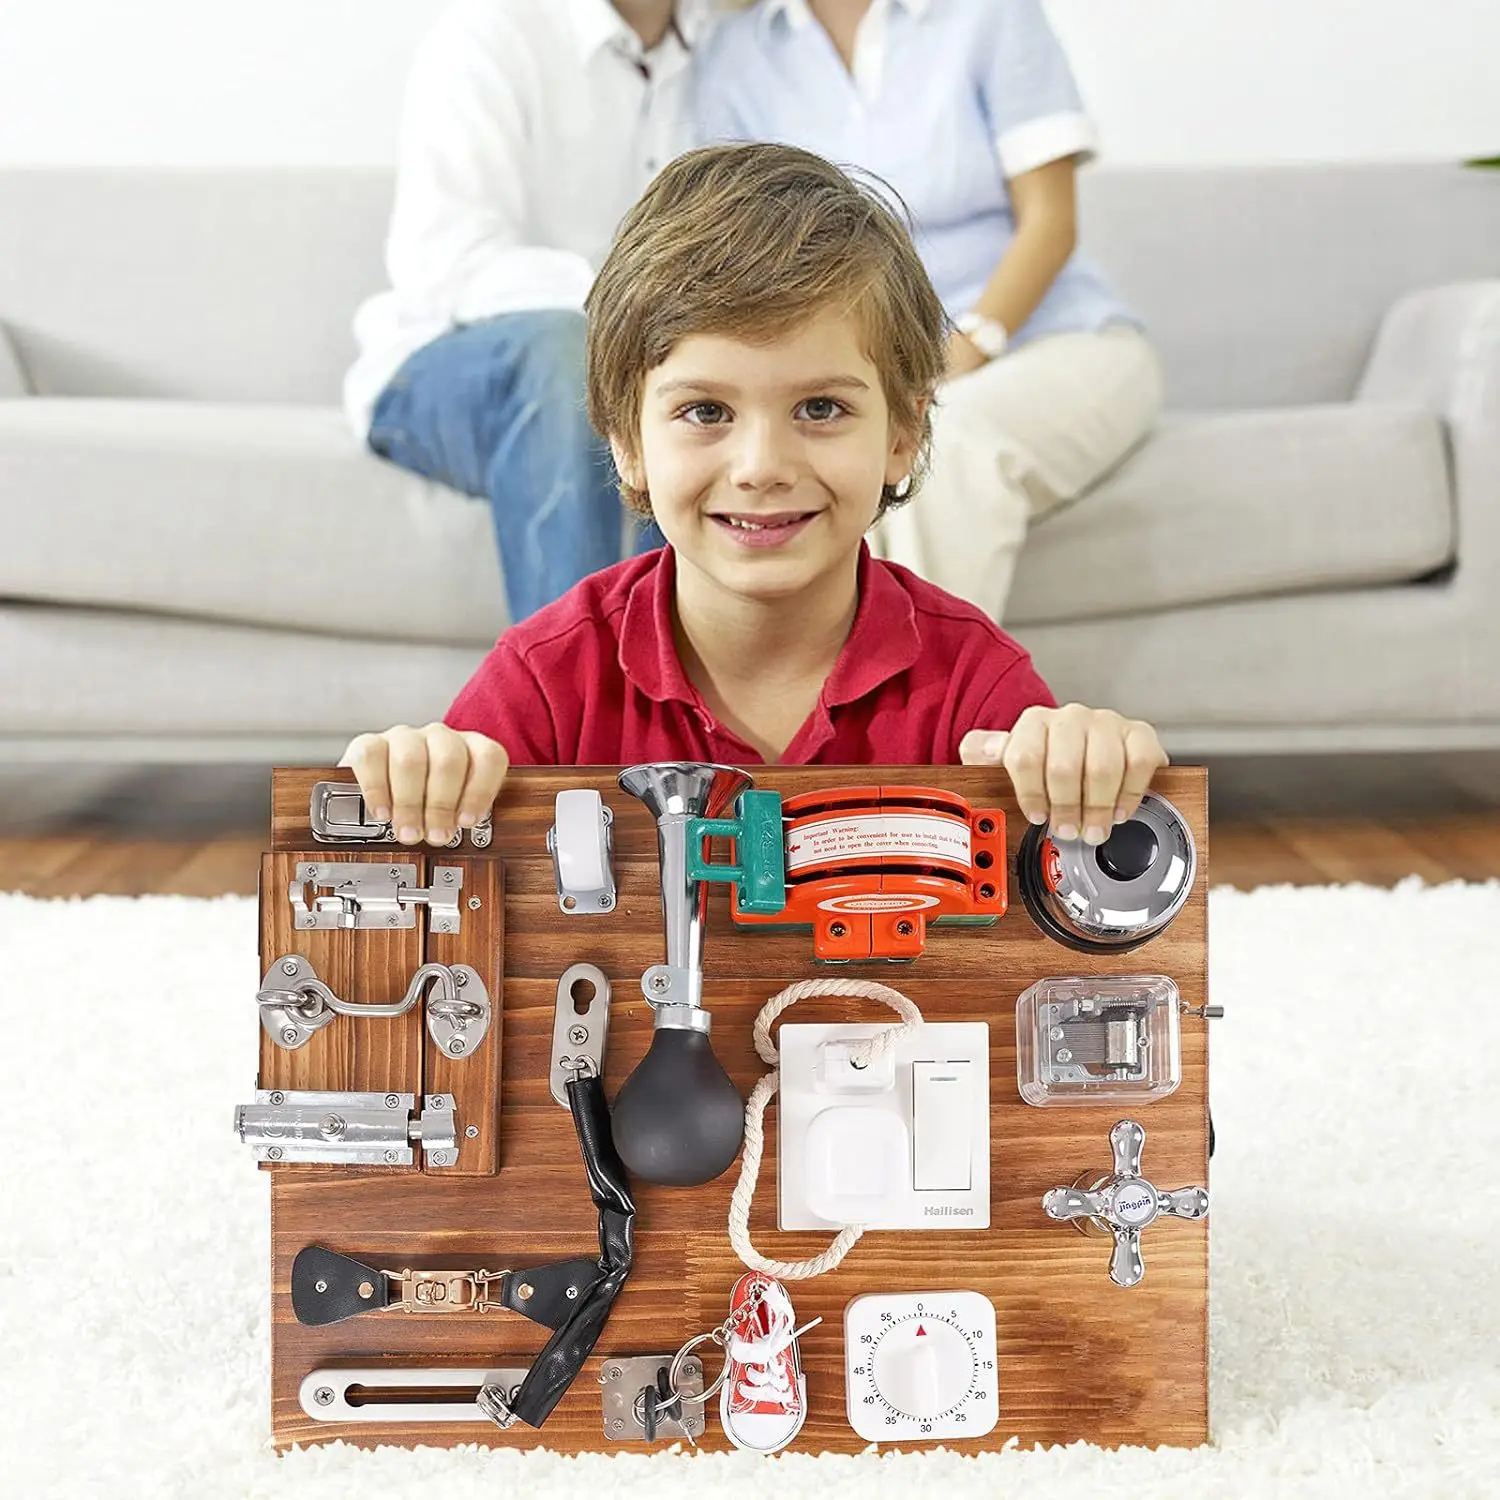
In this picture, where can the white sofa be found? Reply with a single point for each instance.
(197, 561)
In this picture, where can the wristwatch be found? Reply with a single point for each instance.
(987, 336)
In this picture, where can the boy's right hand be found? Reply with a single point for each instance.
(427, 782)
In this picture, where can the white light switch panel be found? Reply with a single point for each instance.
(913, 1153)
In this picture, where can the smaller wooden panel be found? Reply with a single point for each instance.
(474, 1081)
(369, 966)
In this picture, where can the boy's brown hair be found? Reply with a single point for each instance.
(749, 241)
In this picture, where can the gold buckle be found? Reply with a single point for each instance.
(448, 1291)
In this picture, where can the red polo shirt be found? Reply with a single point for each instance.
(594, 679)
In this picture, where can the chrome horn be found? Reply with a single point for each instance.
(678, 1119)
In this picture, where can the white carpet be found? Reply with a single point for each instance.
(1355, 1228)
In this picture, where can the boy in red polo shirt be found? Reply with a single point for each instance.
(763, 350)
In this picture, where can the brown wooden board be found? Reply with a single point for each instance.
(1080, 1359)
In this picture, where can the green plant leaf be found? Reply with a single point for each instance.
(1490, 162)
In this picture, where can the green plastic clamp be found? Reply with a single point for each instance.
(759, 877)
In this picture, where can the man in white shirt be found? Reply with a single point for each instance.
(529, 128)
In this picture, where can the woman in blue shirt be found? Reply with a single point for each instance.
(968, 109)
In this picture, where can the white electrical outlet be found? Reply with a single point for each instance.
(903, 1146)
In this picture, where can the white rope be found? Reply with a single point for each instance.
(870, 1050)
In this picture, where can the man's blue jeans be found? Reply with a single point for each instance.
(496, 410)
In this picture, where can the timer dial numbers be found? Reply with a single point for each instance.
(921, 1366)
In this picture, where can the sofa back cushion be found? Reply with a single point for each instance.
(1263, 286)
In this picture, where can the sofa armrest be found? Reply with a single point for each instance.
(13, 380)
(1440, 348)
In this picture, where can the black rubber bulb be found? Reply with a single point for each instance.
(1128, 852)
(678, 1119)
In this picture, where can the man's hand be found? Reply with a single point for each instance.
(1075, 767)
(427, 782)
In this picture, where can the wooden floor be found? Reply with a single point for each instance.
(1301, 821)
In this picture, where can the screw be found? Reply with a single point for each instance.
(1056, 1033)
(306, 921)
(472, 1131)
(690, 1367)
(273, 1153)
(447, 877)
(571, 1293)
(612, 1372)
(289, 1034)
(278, 1097)
(437, 1101)
(460, 978)
(442, 1158)
(392, 1100)
(1064, 1055)
(323, 1395)
(322, 1286)
(290, 966)
(473, 903)
(836, 929)
(617, 1425)
(456, 1046)
(569, 903)
(578, 1035)
(391, 921)
(390, 1156)
(395, 873)
(903, 929)
(661, 983)
(605, 902)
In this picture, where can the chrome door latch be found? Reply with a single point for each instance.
(370, 895)
(295, 1004)
(337, 815)
(348, 1129)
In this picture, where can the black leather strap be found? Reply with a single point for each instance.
(549, 1302)
(326, 1287)
(557, 1366)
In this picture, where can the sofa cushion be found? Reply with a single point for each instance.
(12, 377)
(1243, 504)
(270, 515)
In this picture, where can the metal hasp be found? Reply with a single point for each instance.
(374, 895)
(386, 1393)
(348, 1129)
(582, 849)
(337, 815)
(295, 1004)
(640, 1406)
(1124, 1203)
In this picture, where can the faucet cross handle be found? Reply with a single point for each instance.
(1124, 1203)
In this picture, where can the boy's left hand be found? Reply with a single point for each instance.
(1079, 769)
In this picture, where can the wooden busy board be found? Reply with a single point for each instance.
(1079, 1358)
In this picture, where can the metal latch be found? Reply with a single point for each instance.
(381, 1393)
(580, 1026)
(337, 815)
(638, 1406)
(348, 1129)
(370, 895)
(295, 1004)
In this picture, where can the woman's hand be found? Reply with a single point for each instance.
(1072, 767)
(963, 357)
(427, 782)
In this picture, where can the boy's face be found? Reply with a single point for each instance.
(765, 462)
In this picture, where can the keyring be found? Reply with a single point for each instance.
(675, 1368)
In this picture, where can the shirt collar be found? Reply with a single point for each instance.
(798, 14)
(883, 641)
(597, 24)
